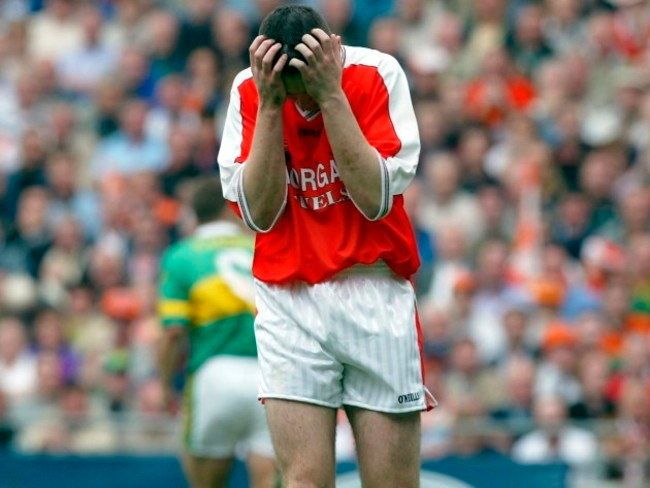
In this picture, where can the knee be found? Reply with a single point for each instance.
(308, 480)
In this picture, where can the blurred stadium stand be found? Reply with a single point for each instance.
(531, 208)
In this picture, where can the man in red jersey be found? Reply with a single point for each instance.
(320, 142)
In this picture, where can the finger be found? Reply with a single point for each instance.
(307, 53)
(254, 45)
(323, 39)
(298, 64)
(314, 45)
(267, 60)
(279, 66)
(261, 51)
(337, 47)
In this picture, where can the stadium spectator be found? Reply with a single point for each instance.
(76, 426)
(471, 389)
(79, 70)
(516, 407)
(594, 403)
(26, 243)
(557, 373)
(554, 439)
(444, 204)
(49, 383)
(55, 31)
(130, 150)
(17, 365)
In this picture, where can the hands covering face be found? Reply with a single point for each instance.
(321, 73)
(266, 74)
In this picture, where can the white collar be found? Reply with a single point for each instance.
(219, 228)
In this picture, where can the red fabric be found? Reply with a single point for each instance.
(430, 402)
(321, 232)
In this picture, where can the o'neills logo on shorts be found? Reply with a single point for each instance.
(409, 397)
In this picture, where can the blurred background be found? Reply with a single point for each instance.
(531, 207)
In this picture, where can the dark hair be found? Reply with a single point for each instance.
(207, 202)
(287, 25)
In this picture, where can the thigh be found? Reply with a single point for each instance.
(207, 472)
(303, 439)
(388, 447)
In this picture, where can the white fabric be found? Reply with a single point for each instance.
(551, 381)
(18, 380)
(575, 447)
(231, 140)
(226, 417)
(348, 341)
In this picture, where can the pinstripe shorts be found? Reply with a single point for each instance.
(354, 340)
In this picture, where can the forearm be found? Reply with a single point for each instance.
(265, 174)
(169, 358)
(357, 161)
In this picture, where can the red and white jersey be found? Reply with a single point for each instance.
(319, 231)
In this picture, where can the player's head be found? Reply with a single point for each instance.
(208, 203)
(287, 25)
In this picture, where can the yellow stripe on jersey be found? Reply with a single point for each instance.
(212, 299)
(174, 308)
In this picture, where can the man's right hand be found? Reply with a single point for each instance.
(266, 75)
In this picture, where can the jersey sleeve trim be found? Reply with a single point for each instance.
(386, 201)
(245, 211)
(174, 312)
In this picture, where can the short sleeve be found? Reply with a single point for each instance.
(390, 126)
(173, 298)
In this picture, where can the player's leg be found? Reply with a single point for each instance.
(213, 424)
(206, 472)
(260, 460)
(301, 382)
(388, 447)
(303, 439)
(383, 387)
(262, 472)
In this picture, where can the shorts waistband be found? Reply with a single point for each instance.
(376, 268)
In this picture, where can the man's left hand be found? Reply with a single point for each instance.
(322, 72)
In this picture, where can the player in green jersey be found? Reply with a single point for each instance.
(207, 297)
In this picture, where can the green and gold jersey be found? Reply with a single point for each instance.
(206, 285)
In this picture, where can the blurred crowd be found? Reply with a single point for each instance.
(531, 208)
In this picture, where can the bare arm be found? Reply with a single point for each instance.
(358, 162)
(264, 174)
(170, 352)
(264, 179)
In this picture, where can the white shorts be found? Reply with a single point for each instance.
(353, 340)
(223, 417)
